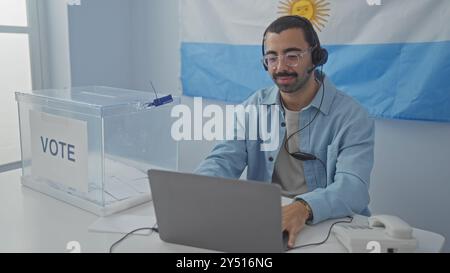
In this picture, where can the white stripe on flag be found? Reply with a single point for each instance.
(242, 22)
(226, 21)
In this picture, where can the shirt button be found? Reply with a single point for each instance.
(270, 159)
(283, 124)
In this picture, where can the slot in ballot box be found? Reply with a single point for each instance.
(92, 146)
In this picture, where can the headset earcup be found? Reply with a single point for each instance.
(317, 56)
(324, 58)
(320, 56)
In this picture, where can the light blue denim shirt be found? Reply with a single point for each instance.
(342, 136)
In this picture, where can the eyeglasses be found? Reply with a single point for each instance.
(291, 59)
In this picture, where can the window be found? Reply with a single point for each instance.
(13, 13)
(19, 68)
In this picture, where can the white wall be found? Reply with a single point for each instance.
(125, 44)
(54, 44)
(156, 54)
(100, 43)
(411, 176)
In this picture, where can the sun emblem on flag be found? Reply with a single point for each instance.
(315, 11)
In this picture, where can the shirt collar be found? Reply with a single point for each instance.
(328, 96)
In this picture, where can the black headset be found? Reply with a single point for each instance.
(319, 55)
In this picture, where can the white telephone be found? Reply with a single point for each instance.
(382, 233)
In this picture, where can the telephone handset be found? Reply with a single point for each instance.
(393, 226)
(382, 233)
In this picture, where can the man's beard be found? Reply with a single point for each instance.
(298, 84)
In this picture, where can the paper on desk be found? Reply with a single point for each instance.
(123, 224)
(140, 184)
(95, 194)
(118, 189)
(123, 171)
(124, 181)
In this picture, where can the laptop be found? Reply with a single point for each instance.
(217, 213)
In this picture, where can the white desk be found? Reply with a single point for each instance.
(33, 222)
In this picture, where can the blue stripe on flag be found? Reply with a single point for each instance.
(223, 72)
(407, 81)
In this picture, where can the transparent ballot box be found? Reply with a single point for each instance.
(92, 146)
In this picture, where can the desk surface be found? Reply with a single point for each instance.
(33, 222)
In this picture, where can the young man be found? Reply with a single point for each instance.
(325, 154)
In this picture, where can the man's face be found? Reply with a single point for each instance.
(289, 79)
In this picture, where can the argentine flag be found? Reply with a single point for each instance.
(393, 56)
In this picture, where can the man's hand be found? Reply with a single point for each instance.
(294, 217)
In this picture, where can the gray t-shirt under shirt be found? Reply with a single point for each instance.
(288, 172)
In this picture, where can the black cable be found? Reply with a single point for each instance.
(321, 162)
(317, 113)
(152, 229)
(298, 131)
(328, 235)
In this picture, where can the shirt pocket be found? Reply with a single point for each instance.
(325, 169)
(319, 167)
(332, 155)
